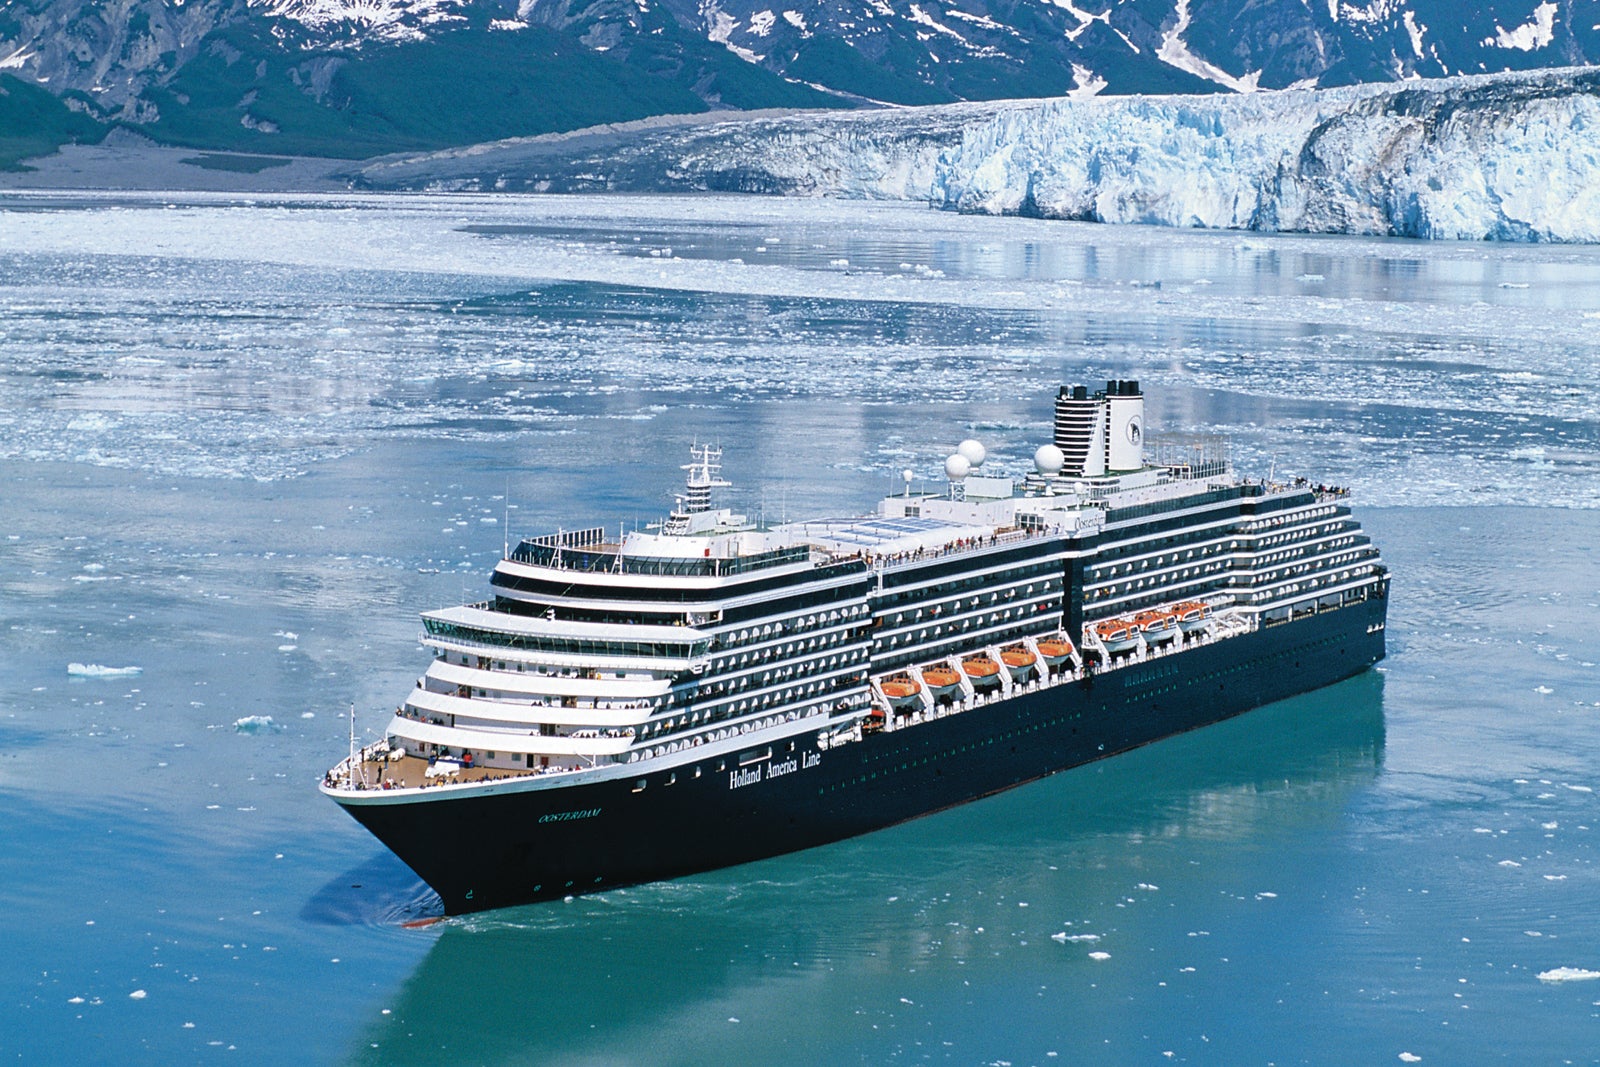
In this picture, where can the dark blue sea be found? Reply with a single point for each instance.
(244, 442)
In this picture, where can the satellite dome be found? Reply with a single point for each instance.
(957, 467)
(907, 475)
(1049, 459)
(973, 452)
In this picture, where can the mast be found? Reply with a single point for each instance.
(354, 762)
(705, 474)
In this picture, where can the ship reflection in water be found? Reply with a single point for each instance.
(940, 911)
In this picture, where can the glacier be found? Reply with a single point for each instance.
(1507, 157)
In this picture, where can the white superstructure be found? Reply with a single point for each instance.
(599, 652)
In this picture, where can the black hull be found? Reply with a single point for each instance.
(521, 845)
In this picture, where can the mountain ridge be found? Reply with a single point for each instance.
(351, 78)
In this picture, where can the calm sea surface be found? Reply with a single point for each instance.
(242, 443)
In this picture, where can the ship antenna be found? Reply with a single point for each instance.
(353, 761)
(505, 527)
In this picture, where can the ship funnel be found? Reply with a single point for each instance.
(1100, 434)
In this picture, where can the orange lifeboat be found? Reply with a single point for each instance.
(1193, 615)
(984, 672)
(901, 691)
(943, 682)
(1019, 661)
(1117, 634)
(1056, 651)
(1158, 626)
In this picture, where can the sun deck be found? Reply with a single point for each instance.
(383, 770)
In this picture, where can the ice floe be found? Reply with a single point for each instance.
(96, 670)
(1568, 974)
(255, 724)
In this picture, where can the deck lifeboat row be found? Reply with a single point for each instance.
(1156, 626)
(983, 673)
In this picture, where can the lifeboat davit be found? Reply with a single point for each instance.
(1118, 635)
(1019, 661)
(1192, 616)
(943, 683)
(1056, 651)
(1158, 627)
(901, 691)
(984, 672)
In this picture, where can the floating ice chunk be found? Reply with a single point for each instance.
(1099, 955)
(308, 715)
(254, 724)
(1545, 689)
(287, 648)
(95, 670)
(1410, 1057)
(137, 994)
(1567, 974)
(1510, 863)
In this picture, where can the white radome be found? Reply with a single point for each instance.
(973, 452)
(957, 467)
(1049, 460)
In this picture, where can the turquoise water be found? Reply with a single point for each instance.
(243, 444)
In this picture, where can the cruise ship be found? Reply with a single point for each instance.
(711, 691)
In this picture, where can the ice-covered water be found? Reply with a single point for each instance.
(242, 443)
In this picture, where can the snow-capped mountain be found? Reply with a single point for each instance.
(1504, 157)
(351, 77)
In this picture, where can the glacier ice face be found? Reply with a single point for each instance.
(1503, 157)
(1499, 159)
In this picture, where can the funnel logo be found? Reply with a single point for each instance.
(1135, 431)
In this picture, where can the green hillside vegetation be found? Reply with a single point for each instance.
(33, 122)
(461, 88)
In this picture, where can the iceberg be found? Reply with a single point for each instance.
(255, 724)
(1568, 974)
(95, 670)
(1506, 157)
